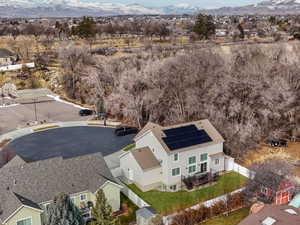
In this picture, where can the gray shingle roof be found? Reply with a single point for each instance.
(146, 212)
(41, 181)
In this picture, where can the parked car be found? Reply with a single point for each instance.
(122, 131)
(278, 143)
(86, 112)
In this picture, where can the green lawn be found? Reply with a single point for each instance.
(233, 218)
(132, 208)
(166, 202)
(129, 147)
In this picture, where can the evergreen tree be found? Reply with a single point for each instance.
(62, 212)
(86, 28)
(102, 211)
(204, 26)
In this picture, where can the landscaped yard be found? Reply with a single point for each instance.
(233, 218)
(132, 208)
(167, 202)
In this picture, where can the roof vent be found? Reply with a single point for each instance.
(268, 221)
(291, 211)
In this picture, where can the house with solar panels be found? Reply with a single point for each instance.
(173, 158)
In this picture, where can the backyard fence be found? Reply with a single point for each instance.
(230, 165)
(134, 197)
(16, 67)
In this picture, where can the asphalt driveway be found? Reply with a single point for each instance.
(69, 142)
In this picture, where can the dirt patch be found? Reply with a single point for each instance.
(290, 154)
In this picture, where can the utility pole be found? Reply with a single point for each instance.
(36, 119)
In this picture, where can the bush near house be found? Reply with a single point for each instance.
(168, 202)
(203, 213)
(234, 218)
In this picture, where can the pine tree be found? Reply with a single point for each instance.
(102, 212)
(62, 212)
(204, 26)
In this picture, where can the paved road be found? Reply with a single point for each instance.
(69, 142)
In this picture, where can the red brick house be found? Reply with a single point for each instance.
(275, 189)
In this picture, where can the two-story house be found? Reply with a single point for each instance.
(164, 156)
(26, 189)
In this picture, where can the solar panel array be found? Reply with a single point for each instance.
(182, 137)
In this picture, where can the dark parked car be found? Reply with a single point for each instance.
(86, 112)
(122, 131)
(278, 143)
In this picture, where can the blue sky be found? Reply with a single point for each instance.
(201, 3)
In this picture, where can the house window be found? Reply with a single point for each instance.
(192, 160)
(27, 221)
(82, 197)
(217, 161)
(192, 169)
(203, 167)
(203, 157)
(264, 190)
(175, 172)
(173, 187)
(176, 157)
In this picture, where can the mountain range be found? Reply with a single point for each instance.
(270, 7)
(76, 8)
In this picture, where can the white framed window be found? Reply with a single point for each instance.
(192, 169)
(203, 157)
(176, 172)
(264, 190)
(175, 157)
(83, 197)
(25, 221)
(173, 187)
(192, 160)
(217, 161)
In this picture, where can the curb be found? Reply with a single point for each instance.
(40, 128)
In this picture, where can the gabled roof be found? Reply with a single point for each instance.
(41, 181)
(158, 132)
(146, 212)
(280, 213)
(145, 158)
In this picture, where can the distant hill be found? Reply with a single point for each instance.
(72, 8)
(271, 7)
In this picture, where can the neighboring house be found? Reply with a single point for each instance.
(274, 215)
(7, 57)
(26, 189)
(165, 156)
(275, 189)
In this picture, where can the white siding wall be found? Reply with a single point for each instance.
(141, 177)
(149, 140)
(183, 161)
(128, 162)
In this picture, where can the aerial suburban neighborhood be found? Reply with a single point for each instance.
(182, 112)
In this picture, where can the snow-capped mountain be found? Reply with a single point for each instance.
(70, 8)
(265, 7)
